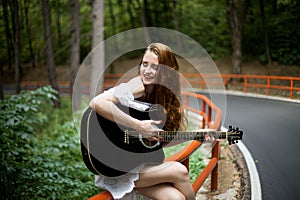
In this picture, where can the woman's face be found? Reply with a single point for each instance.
(149, 67)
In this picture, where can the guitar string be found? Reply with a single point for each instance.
(169, 135)
(188, 133)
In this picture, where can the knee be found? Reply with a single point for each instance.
(174, 195)
(180, 172)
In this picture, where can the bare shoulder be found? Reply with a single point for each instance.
(136, 86)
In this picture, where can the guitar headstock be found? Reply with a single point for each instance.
(234, 135)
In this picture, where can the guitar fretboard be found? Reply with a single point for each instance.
(181, 135)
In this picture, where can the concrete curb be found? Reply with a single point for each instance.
(256, 193)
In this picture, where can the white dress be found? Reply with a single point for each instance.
(119, 186)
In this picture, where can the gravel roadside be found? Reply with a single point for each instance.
(233, 177)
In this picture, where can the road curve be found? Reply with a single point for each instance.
(272, 135)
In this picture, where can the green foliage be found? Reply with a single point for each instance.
(45, 165)
(205, 21)
(283, 33)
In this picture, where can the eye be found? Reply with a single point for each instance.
(155, 67)
(145, 64)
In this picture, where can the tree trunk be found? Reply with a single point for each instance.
(7, 33)
(129, 10)
(143, 21)
(57, 22)
(115, 47)
(26, 8)
(98, 22)
(265, 31)
(176, 24)
(236, 12)
(147, 14)
(75, 49)
(17, 46)
(97, 58)
(1, 85)
(49, 48)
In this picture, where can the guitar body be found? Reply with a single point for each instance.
(105, 149)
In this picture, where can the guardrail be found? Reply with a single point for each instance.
(284, 86)
(206, 111)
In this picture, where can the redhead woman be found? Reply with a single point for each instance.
(157, 83)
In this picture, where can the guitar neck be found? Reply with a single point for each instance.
(190, 135)
(184, 135)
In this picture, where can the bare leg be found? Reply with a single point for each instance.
(164, 191)
(173, 173)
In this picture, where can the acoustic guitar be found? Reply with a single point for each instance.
(112, 150)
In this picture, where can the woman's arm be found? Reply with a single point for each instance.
(105, 105)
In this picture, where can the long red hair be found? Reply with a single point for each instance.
(167, 90)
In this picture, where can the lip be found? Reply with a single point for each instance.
(148, 79)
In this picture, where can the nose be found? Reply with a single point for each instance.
(148, 70)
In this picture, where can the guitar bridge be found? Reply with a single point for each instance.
(126, 137)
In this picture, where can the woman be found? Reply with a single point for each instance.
(158, 83)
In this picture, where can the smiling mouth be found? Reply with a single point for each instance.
(148, 77)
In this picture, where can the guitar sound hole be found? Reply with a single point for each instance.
(158, 113)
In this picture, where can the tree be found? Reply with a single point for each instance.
(236, 14)
(75, 42)
(97, 37)
(49, 48)
(28, 30)
(1, 87)
(7, 33)
(17, 45)
(265, 31)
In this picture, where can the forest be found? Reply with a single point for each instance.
(53, 33)
(40, 156)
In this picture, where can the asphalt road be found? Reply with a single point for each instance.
(272, 135)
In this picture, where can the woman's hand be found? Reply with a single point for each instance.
(149, 130)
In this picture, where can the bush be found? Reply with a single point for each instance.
(35, 166)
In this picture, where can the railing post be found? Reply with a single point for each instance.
(204, 111)
(209, 114)
(186, 163)
(224, 80)
(268, 85)
(186, 100)
(214, 174)
(245, 84)
(291, 88)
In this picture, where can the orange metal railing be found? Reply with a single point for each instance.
(263, 84)
(269, 85)
(206, 112)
